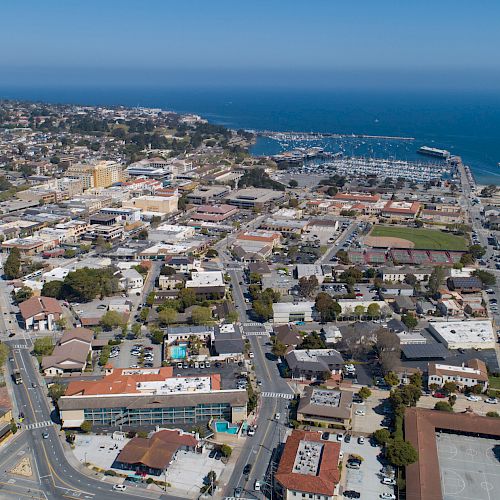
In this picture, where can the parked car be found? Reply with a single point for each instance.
(389, 480)
(352, 494)
(353, 464)
(361, 440)
(388, 496)
(360, 413)
(212, 454)
(491, 401)
(472, 397)
(439, 395)
(256, 486)
(119, 487)
(347, 438)
(238, 491)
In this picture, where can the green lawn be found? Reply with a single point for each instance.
(428, 239)
(494, 382)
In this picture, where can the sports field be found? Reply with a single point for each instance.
(420, 238)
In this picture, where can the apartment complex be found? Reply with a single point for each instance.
(101, 174)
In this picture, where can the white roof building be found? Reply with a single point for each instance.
(464, 334)
(205, 278)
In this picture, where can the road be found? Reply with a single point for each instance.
(259, 448)
(337, 245)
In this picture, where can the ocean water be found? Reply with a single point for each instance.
(467, 124)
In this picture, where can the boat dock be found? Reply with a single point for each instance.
(312, 136)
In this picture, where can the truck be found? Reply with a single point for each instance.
(16, 376)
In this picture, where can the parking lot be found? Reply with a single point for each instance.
(366, 480)
(126, 359)
(229, 373)
(469, 466)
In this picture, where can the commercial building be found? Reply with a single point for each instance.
(401, 209)
(203, 195)
(170, 233)
(213, 213)
(254, 198)
(138, 397)
(464, 334)
(156, 168)
(40, 313)
(400, 273)
(313, 364)
(286, 312)
(153, 455)
(308, 467)
(208, 284)
(71, 354)
(469, 374)
(326, 407)
(96, 175)
(156, 204)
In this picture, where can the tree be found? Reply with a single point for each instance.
(364, 393)
(401, 453)
(409, 320)
(56, 391)
(142, 234)
(477, 389)
(111, 320)
(12, 266)
(43, 346)
(293, 183)
(312, 341)
(391, 379)
(343, 257)
(410, 279)
(373, 310)
(201, 315)
(279, 348)
(69, 253)
(477, 251)
(104, 356)
(328, 308)
(187, 297)
(85, 284)
(211, 253)
(167, 316)
(407, 395)
(307, 285)
(226, 450)
(255, 278)
(443, 406)
(24, 293)
(382, 436)
(416, 379)
(143, 315)
(450, 387)
(136, 330)
(156, 336)
(167, 271)
(435, 280)
(262, 309)
(388, 349)
(86, 426)
(359, 311)
(486, 278)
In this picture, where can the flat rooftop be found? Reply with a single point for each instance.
(325, 398)
(308, 458)
(464, 331)
(176, 385)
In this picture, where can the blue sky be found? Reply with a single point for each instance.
(322, 42)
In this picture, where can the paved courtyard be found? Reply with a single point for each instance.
(469, 466)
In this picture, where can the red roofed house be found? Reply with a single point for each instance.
(401, 209)
(155, 454)
(309, 467)
(40, 313)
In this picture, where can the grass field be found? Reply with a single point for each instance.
(494, 382)
(428, 239)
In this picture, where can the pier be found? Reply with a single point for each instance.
(310, 136)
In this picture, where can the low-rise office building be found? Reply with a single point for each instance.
(329, 407)
(469, 374)
(286, 312)
(308, 467)
(254, 198)
(476, 334)
(313, 364)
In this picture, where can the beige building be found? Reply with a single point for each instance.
(97, 175)
(160, 204)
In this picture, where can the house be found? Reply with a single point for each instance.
(71, 354)
(169, 282)
(308, 467)
(464, 284)
(469, 374)
(40, 313)
(286, 312)
(325, 407)
(313, 364)
(153, 455)
(404, 305)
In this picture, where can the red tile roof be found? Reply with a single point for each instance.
(328, 473)
(39, 305)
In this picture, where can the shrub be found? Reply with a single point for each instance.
(443, 406)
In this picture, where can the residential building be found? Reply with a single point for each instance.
(463, 284)
(96, 175)
(136, 397)
(308, 467)
(469, 374)
(325, 407)
(398, 274)
(176, 334)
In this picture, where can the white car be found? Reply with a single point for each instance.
(491, 401)
(256, 486)
(340, 437)
(250, 354)
(119, 487)
(471, 397)
(388, 496)
(277, 416)
(389, 480)
(360, 413)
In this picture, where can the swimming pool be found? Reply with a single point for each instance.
(226, 427)
(178, 351)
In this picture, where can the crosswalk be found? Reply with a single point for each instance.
(39, 425)
(20, 346)
(257, 334)
(276, 395)
(252, 324)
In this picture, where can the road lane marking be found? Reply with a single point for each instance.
(276, 395)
